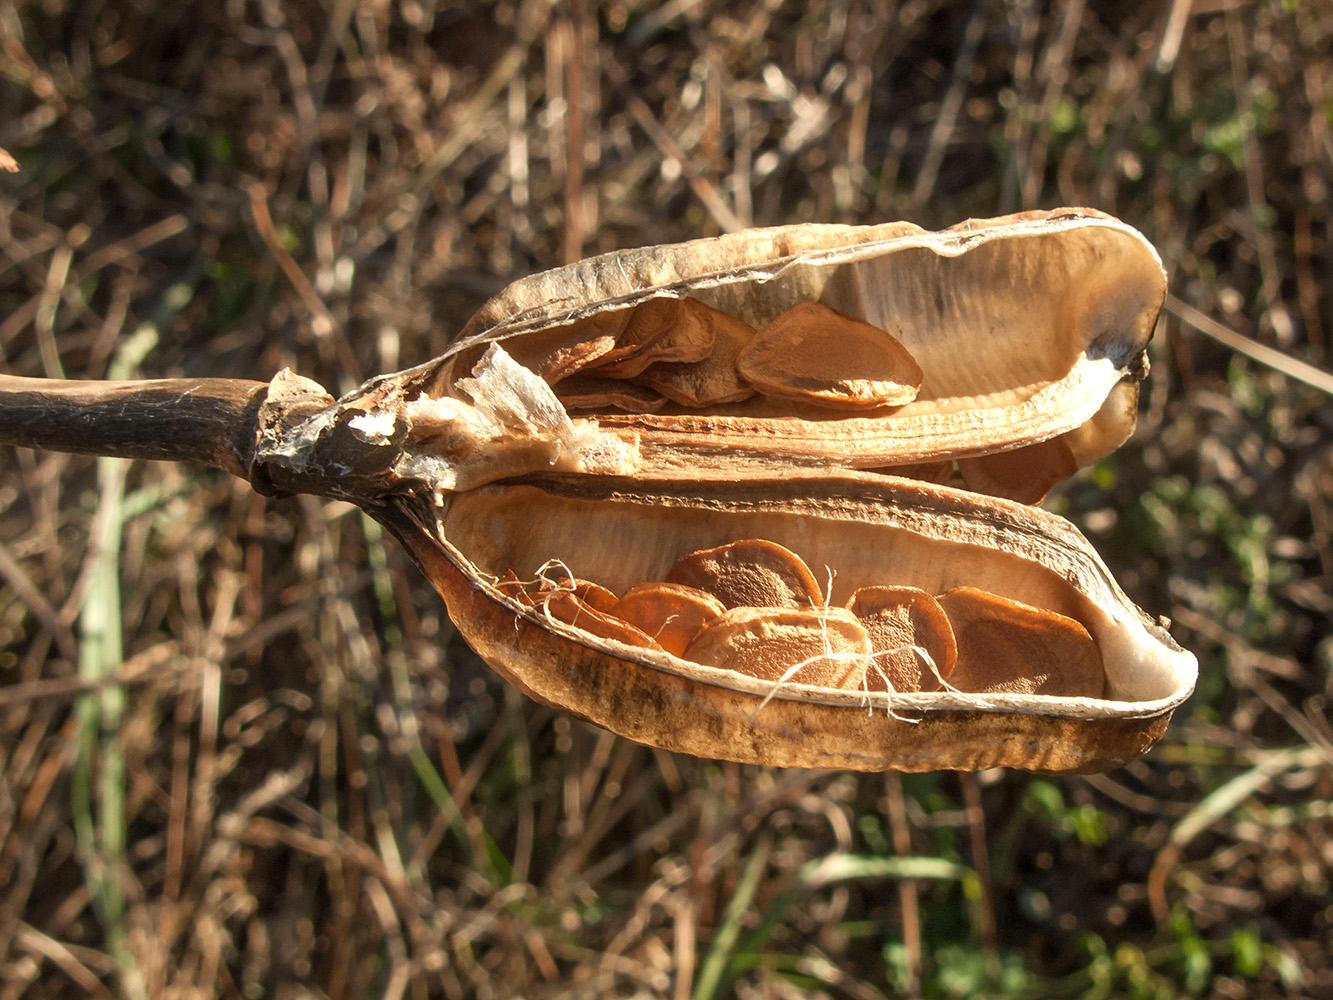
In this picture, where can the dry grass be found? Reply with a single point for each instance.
(240, 754)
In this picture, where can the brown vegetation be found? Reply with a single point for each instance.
(240, 753)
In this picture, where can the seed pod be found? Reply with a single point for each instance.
(1026, 329)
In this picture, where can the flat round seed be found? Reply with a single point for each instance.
(899, 617)
(558, 353)
(565, 361)
(767, 642)
(1024, 474)
(660, 329)
(714, 380)
(671, 613)
(593, 594)
(565, 607)
(752, 572)
(592, 392)
(511, 586)
(1005, 646)
(820, 356)
(926, 472)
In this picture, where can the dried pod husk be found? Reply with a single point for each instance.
(1026, 329)
(865, 528)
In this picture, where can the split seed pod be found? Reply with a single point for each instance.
(1026, 329)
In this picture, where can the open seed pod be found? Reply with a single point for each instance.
(1016, 333)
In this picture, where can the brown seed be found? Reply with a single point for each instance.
(1024, 474)
(564, 606)
(593, 594)
(767, 642)
(669, 612)
(897, 617)
(511, 586)
(659, 329)
(714, 380)
(1005, 646)
(820, 356)
(566, 361)
(591, 392)
(563, 351)
(926, 472)
(752, 573)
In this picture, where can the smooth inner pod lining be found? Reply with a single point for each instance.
(619, 544)
(1007, 318)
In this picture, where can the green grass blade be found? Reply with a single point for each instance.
(724, 943)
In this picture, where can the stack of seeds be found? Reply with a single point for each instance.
(682, 354)
(755, 606)
(685, 352)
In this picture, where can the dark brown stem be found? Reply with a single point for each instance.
(213, 421)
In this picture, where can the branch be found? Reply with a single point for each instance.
(213, 421)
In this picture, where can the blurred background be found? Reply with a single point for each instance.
(241, 752)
